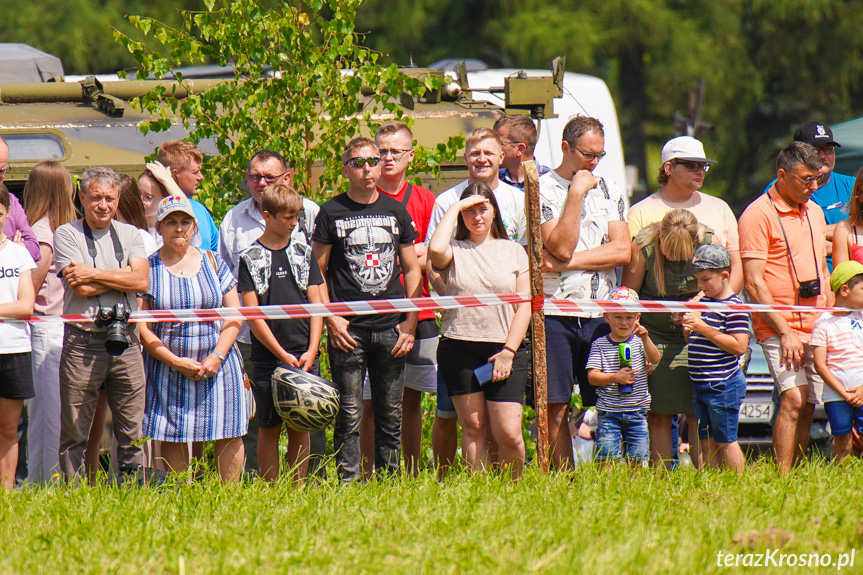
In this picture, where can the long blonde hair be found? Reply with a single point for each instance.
(676, 238)
(49, 191)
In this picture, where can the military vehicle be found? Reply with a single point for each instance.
(91, 122)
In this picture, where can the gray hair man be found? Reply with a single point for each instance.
(103, 265)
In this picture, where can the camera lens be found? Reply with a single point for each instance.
(117, 342)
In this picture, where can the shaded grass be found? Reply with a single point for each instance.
(588, 521)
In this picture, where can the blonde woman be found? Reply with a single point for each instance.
(48, 203)
(848, 235)
(660, 253)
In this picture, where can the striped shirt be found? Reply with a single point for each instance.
(708, 363)
(604, 356)
(843, 338)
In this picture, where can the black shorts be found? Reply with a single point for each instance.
(16, 376)
(458, 358)
(262, 386)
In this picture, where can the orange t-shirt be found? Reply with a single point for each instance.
(761, 238)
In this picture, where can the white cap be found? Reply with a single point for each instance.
(175, 204)
(684, 148)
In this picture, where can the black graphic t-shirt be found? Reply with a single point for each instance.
(365, 241)
(273, 275)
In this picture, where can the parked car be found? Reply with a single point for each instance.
(759, 408)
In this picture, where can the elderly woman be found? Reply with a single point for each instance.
(194, 377)
(660, 253)
(482, 361)
(49, 203)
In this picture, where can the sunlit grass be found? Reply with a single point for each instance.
(588, 521)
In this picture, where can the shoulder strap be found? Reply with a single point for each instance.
(212, 260)
(407, 197)
(91, 243)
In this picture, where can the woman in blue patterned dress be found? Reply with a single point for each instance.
(194, 376)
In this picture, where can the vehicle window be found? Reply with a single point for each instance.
(34, 147)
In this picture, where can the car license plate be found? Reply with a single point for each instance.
(756, 412)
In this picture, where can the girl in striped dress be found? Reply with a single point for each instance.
(194, 376)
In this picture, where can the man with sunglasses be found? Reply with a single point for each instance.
(681, 176)
(783, 245)
(834, 189)
(363, 241)
(395, 142)
(242, 225)
(584, 233)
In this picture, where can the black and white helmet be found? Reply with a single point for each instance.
(304, 401)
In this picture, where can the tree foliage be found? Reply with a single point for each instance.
(769, 65)
(298, 88)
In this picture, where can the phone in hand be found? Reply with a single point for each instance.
(484, 372)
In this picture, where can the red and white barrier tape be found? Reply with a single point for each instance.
(371, 307)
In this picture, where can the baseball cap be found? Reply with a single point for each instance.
(709, 257)
(174, 204)
(623, 293)
(844, 272)
(815, 134)
(684, 148)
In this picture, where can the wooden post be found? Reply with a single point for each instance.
(534, 254)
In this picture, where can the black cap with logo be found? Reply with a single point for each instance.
(815, 134)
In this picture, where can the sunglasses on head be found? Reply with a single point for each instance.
(361, 162)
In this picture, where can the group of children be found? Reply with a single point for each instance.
(618, 365)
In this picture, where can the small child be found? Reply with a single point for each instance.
(716, 342)
(17, 297)
(273, 271)
(837, 349)
(623, 398)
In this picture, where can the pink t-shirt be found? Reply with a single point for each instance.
(49, 300)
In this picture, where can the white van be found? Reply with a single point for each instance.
(582, 94)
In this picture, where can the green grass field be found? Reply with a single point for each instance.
(586, 522)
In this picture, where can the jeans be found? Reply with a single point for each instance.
(717, 407)
(373, 354)
(622, 433)
(84, 367)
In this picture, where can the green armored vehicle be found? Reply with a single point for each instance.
(91, 122)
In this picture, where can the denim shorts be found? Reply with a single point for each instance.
(622, 434)
(717, 407)
(842, 416)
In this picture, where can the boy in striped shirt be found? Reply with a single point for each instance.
(837, 349)
(622, 395)
(716, 342)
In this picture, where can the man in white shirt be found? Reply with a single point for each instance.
(244, 224)
(585, 236)
(483, 153)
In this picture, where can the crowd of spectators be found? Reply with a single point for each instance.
(149, 244)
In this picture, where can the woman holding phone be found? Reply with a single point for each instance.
(481, 357)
